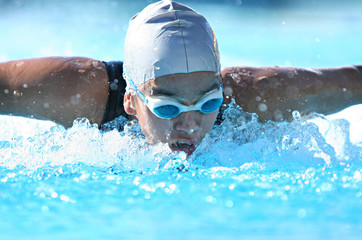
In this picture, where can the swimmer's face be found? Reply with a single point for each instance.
(184, 132)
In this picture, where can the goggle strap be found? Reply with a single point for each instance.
(139, 93)
(222, 86)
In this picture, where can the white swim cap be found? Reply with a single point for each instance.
(166, 38)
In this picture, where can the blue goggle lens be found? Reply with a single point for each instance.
(167, 111)
(211, 105)
(171, 111)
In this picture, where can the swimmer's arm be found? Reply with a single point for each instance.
(59, 89)
(274, 92)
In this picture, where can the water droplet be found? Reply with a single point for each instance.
(262, 107)
(18, 64)
(136, 181)
(17, 93)
(75, 99)
(357, 176)
(296, 116)
(147, 196)
(64, 198)
(4, 180)
(228, 91)
(290, 74)
(172, 187)
(113, 86)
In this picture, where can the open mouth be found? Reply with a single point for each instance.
(188, 148)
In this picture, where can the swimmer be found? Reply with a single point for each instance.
(171, 81)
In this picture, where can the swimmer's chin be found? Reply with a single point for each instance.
(181, 146)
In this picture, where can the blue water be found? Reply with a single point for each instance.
(247, 180)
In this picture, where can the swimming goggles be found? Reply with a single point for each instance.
(168, 108)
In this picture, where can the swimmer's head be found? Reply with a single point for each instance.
(168, 38)
(172, 57)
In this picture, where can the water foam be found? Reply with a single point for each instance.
(239, 140)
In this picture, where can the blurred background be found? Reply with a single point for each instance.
(303, 33)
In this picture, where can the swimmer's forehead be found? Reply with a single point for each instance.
(181, 85)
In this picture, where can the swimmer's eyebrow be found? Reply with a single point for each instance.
(163, 92)
(214, 86)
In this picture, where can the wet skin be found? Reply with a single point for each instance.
(184, 132)
(61, 89)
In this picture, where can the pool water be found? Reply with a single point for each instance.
(299, 180)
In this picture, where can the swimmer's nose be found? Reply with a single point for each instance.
(187, 122)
